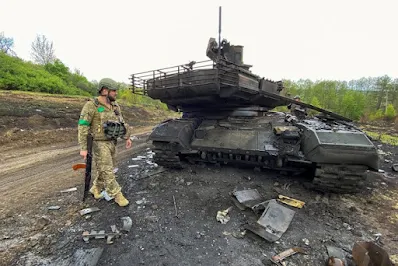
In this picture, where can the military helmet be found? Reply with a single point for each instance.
(107, 83)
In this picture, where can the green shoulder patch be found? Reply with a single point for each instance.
(84, 122)
(101, 109)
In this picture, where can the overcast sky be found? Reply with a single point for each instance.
(315, 39)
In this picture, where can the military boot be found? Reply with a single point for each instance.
(96, 192)
(121, 200)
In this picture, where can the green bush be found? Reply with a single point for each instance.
(17, 74)
(377, 115)
(130, 98)
(390, 112)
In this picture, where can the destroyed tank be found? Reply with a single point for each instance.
(228, 118)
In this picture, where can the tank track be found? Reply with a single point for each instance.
(339, 178)
(166, 155)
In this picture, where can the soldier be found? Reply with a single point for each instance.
(102, 118)
(297, 110)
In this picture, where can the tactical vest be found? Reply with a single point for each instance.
(112, 128)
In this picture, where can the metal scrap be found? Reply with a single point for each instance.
(175, 206)
(127, 223)
(101, 235)
(246, 198)
(88, 210)
(369, 253)
(274, 221)
(336, 256)
(291, 202)
(87, 257)
(332, 261)
(277, 259)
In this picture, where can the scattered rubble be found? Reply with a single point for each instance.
(222, 216)
(274, 221)
(314, 225)
(88, 210)
(277, 259)
(55, 207)
(69, 190)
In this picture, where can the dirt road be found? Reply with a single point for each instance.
(29, 175)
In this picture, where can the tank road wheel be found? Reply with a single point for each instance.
(166, 155)
(339, 178)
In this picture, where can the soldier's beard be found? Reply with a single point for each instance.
(111, 99)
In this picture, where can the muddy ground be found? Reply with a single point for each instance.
(174, 211)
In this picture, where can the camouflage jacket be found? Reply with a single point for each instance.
(92, 117)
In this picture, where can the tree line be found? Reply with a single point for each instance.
(371, 98)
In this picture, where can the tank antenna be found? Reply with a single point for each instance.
(219, 31)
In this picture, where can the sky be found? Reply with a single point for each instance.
(285, 39)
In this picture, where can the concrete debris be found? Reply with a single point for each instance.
(368, 253)
(141, 201)
(274, 221)
(239, 234)
(306, 241)
(277, 259)
(69, 190)
(291, 202)
(222, 216)
(88, 210)
(394, 167)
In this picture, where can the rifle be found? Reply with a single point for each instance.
(89, 158)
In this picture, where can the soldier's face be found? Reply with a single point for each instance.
(112, 95)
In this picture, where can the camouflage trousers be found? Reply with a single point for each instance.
(104, 163)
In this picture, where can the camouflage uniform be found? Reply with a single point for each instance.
(297, 110)
(92, 118)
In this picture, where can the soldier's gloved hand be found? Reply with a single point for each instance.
(128, 143)
(84, 154)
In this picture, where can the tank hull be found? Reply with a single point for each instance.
(336, 155)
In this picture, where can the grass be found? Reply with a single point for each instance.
(40, 94)
(384, 138)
